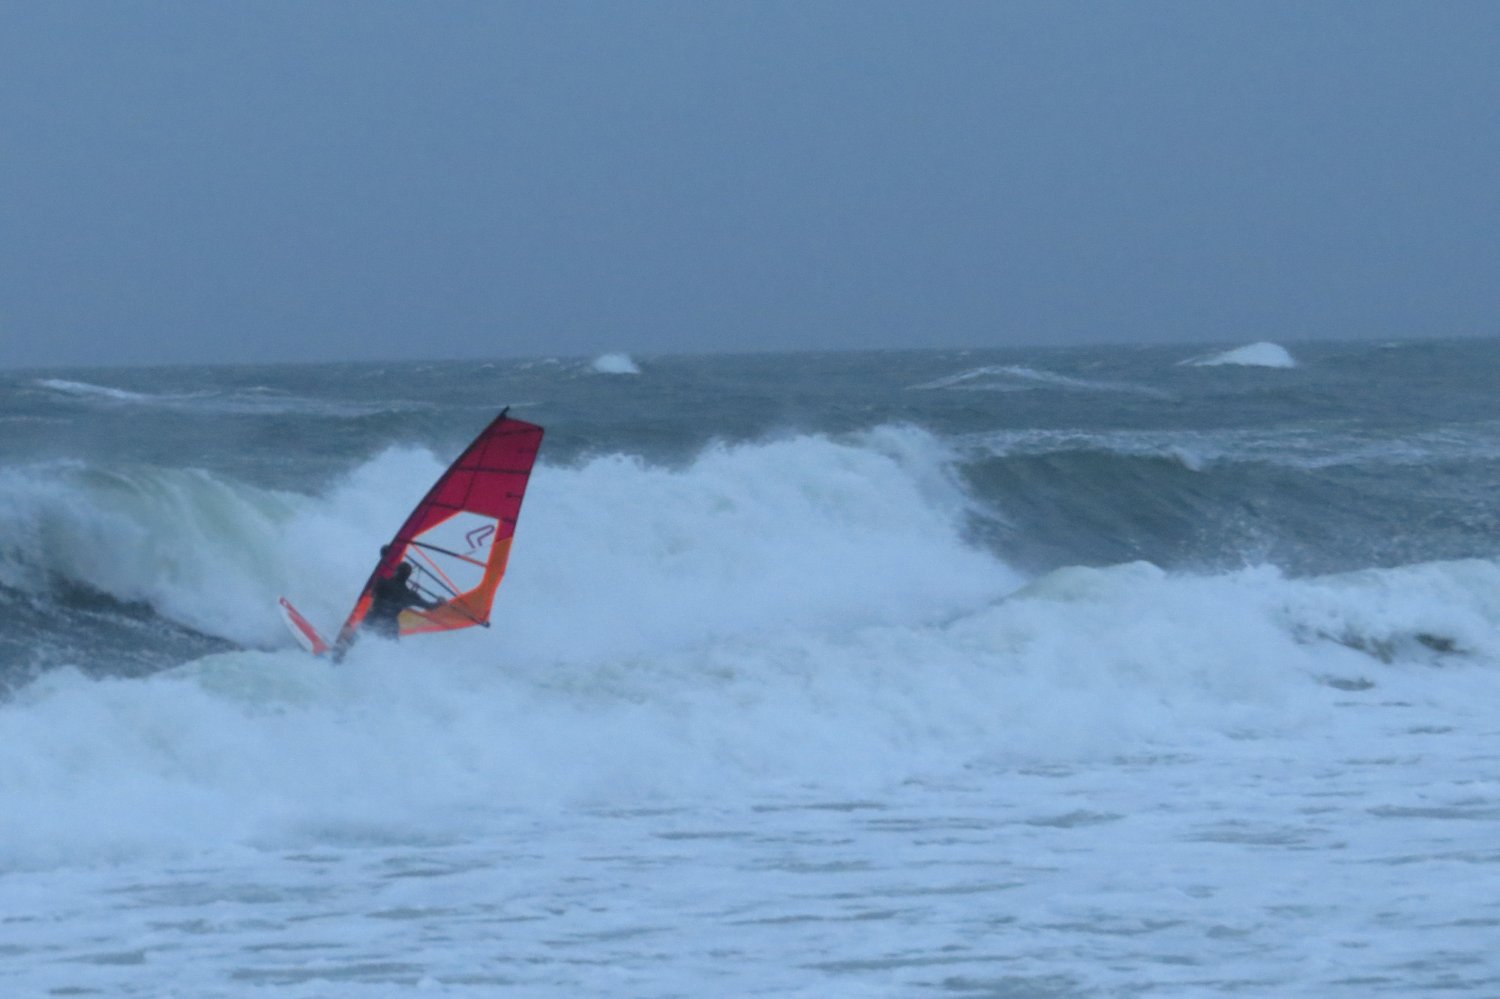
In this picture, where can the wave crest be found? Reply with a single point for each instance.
(614, 364)
(1256, 355)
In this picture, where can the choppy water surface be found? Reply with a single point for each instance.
(994, 674)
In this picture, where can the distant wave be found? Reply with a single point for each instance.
(1256, 355)
(1017, 377)
(29, 418)
(257, 400)
(89, 390)
(1197, 449)
(615, 364)
(1194, 450)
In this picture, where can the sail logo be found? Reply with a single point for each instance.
(480, 537)
(460, 547)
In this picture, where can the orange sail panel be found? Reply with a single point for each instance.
(458, 538)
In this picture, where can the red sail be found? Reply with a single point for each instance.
(458, 538)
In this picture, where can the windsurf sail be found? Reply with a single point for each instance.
(458, 538)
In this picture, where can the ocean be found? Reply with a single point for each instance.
(1064, 673)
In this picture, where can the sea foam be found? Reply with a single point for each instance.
(615, 364)
(445, 738)
(90, 390)
(1018, 377)
(1256, 355)
(692, 632)
(802, 612)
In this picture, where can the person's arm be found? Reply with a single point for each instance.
(414, 599)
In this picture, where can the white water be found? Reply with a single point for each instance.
(761, 725)
(1016, 377)
(255, 400)
(90, 390)
(1255, 355)
(615, 364)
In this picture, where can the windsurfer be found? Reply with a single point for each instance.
(459, 539)
(389, 597)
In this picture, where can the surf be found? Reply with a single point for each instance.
(411, 741)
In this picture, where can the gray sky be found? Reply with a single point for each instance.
(295, 180)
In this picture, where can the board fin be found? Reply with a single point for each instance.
(302, 630)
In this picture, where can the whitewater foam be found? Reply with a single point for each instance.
(615, 364)
(273, 750)
(1256, 355)
(746, 538)
(1016, 377)
(88, 389)
(256, 400)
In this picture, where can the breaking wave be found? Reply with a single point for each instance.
(1255, 355)
(89, 390)
(615, 364)
(810, 611)
(1016, 378)
(432, 741)
(746, 537)
(251, 401)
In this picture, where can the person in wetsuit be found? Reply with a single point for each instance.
(388, 598)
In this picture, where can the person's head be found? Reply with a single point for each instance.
(403, 572)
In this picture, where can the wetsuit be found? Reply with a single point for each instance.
(388, 598)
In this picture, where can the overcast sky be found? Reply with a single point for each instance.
(296, 180)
